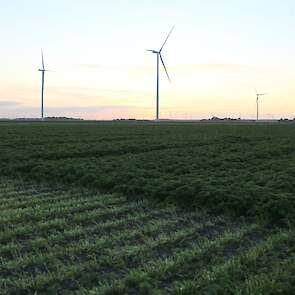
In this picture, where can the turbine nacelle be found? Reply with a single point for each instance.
(153, 51)
(259, 94)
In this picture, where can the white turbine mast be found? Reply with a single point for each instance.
(42, 70)
(257, 102)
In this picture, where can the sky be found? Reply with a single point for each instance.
(218, 53)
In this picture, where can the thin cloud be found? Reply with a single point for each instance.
(8, 103)
(88, 109)
(97, 66)
(224, 67)
(93, 112)
(216, 67)
(90, 66)
(119, 67)
(90, 94)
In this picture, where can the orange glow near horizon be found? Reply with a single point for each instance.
(196, 91)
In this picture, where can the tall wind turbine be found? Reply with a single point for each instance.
(159, 57)
(42, 70)
(257, 103)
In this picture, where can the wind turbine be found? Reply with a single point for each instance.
(42, 70)
(257, 103)
(159, 57)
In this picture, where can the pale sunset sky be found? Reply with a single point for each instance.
(219, 52)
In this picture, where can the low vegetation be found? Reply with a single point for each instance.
(55, 240)
(147, 209)
(240, 169)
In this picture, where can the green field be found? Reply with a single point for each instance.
(147, 208)
(239, 169)
(57, 241)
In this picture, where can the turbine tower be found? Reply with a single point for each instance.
(257, 103)
(42, 70)
(159, 57)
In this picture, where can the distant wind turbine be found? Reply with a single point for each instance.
(159, 57)
(42, 70)
(257, 103)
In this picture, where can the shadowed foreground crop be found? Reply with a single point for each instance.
(57, 241)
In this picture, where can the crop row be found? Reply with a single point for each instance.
(97, 258)
(123, 247)
(224, 269)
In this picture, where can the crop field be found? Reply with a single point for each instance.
(59, 241)
(244, 170)
(148, 209)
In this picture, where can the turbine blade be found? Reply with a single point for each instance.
(149, 50)
(42, 60)
(164, 67)
(166, 39)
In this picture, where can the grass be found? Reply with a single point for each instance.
(118, 246)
